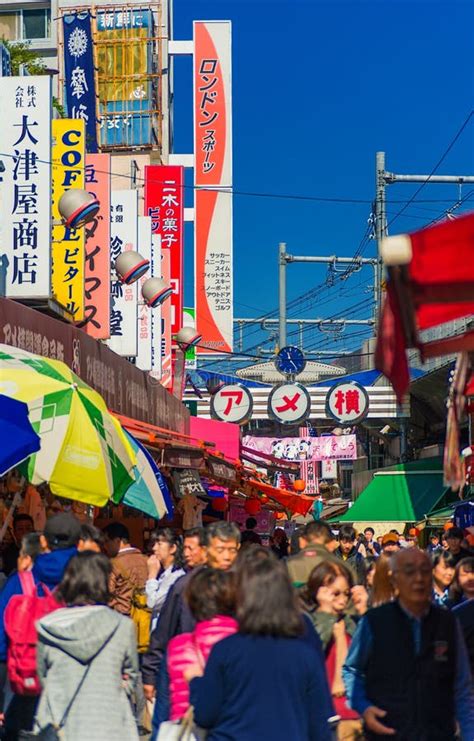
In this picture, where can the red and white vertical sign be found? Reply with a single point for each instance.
(97, 265)
(213, 171)
(164, 203)
(166, 356)
(309, 474)
(156, 322)
(144, 313)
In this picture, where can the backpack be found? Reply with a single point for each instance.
(140, 613)
(20, 617)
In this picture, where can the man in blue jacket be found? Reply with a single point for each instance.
(59, 541)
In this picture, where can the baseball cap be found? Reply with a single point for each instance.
(389, 538)
(62, 531)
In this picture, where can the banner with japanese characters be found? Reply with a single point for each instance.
(213, 171)
(329, 447)
(79, 78)
(123, 238)
(156, 319)
(25, 186)
(166, 345)
(144, 313)
(97, 268)
(68, 251)
(164, 202)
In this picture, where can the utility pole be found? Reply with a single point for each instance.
(380, 222)
(282, 294)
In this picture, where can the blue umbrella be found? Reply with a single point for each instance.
(18, 440)
(149, 492)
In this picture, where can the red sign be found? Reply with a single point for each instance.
(347, 403)
(164, 202)
(232, 403)
(97, 259)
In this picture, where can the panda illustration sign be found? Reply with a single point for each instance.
(289, 403)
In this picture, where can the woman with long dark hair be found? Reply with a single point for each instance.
(87, 658)
(462, 588)
(264, 682)
(165, 566)
(444, 565)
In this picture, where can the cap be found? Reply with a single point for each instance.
(62, 531)
(390, 538)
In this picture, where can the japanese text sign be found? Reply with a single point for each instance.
(329, 469)
(212, 103)
(347, 403)
(156, 321)
(123, 238)
(79, 79)
(232, 403)
(166, 356)
(164, 203)
(25, 105)
(144, 314)
(68, 253)
(341, 447)
(97, 268)
(309, 474)
(289, 403)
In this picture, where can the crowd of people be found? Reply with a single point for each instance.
(310, 639)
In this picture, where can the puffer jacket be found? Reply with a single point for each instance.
(189, 649)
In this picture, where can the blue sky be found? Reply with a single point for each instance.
(318, 88)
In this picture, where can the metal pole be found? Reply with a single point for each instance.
(282, 293)
(380, 221)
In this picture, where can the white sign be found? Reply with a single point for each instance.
(156, 319)
(289, 403)
(144, 314)
(25, 105)
(329, 469)
(123, 237)
(347, 403)
(232, 403)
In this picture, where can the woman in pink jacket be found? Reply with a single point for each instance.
(211, 598)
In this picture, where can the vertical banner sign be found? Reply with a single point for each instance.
(164, 202)
(213, 171)
(189, 320)
(166, 356)
(68, 253)
(79, 74)
(144, 314)
(155, 269)
(309, 474)
(25, 106)
(123, 237)
(97, 268)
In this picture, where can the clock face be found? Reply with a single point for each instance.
(290, 360)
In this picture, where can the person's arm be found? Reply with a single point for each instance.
(12, 587)
(463, 688)
(157, 589)
(161, 711)
(206, 693)
(130, 666)
(41, 665)
(164, 631)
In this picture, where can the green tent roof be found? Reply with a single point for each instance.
(404, 493)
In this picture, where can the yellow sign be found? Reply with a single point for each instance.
(68, 248)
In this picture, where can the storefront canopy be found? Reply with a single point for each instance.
(404, 493)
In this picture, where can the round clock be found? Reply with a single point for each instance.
(290, 361)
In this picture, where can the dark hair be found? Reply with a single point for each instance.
(295, 540)
(266, 601)
(31, 545)
(446, 556)
(86, 580)
(317, 529)
(91, 532)
(454, 532)
(171, 537)
(250, 554)
(196, 532)
(322, 575)
(22, 517)
(116, 530)
(370, 530)
(223, 530)
(250, 523)
(210, 592)
(466, 564)
(382, 587)
(279, 543)
(347, 532)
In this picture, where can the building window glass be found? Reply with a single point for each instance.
(8, 26)
(26, 25)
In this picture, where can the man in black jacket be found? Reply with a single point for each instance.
(349, 553)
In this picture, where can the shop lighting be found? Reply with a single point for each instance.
(155, 291)
(130, 266)
(78, 207)
(188, 337)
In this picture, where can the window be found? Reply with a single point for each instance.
(26, 25)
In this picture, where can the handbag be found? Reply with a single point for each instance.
(180, 730)
(53, 732)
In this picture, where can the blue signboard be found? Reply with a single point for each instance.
(5, 67)
(79, 74)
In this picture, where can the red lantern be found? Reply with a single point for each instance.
(447, 526)
(252, 506)
(299, 485)
(219, 504)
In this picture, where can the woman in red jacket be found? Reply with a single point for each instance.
(211, 599)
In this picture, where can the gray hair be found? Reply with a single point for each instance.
(223, 530)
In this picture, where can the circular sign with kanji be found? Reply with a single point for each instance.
(289, 403)
(232, 403)
(347, 403)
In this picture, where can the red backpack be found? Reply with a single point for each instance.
(20, 618)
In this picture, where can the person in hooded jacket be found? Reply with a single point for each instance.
(87, 659)
(58, 542)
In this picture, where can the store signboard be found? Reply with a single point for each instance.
(144, 313)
